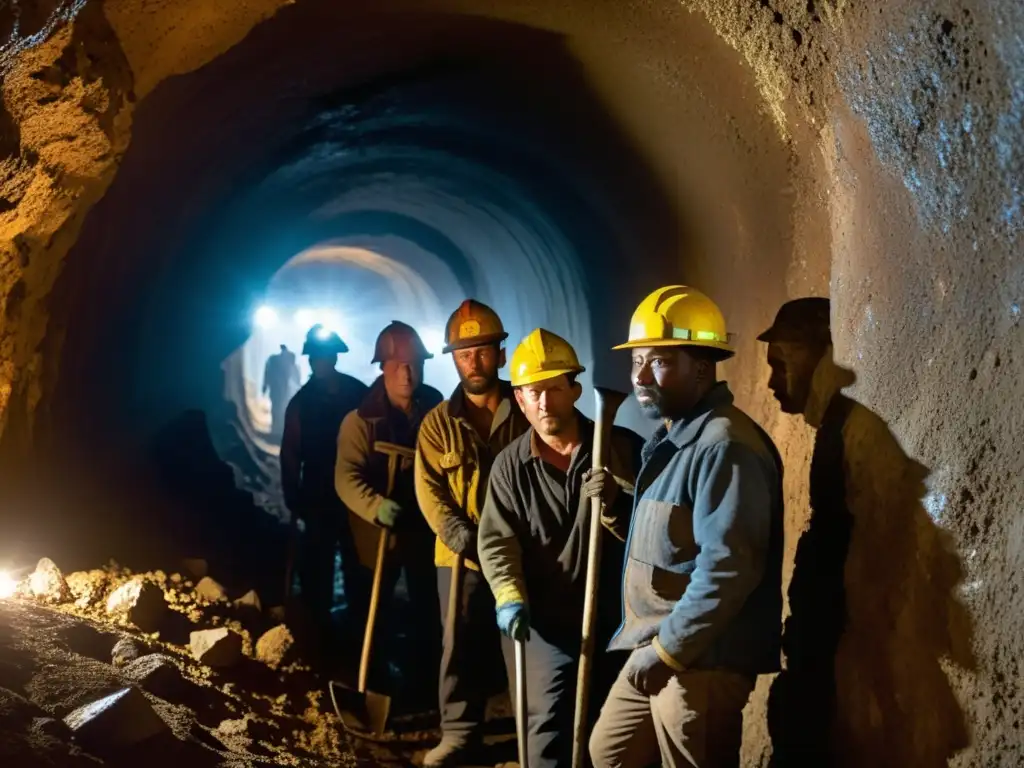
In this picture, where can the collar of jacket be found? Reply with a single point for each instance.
(686, 429)
(457, 402)
(529, 449)
(376, 404)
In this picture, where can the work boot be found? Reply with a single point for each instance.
(452, 751)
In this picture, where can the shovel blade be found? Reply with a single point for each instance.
(360, 712)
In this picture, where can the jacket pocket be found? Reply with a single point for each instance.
(662, 535)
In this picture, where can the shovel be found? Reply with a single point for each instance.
(364, 713)
(607, 405)
(522, 721)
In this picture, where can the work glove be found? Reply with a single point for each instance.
(514, 621)
(388, 513)
(646, 672)
(599, 484)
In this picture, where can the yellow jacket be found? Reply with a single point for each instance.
(453, 464)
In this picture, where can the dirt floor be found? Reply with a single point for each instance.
(62, 648)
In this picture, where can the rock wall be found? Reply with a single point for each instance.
(875, 155)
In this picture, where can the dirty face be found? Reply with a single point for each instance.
(478, 367)
(668, 381)
(401, 377)
(549, 404)
(792, 369)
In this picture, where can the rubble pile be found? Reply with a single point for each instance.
(110, 667)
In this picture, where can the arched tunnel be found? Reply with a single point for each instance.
(169, 168)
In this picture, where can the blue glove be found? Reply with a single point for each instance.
(388, 513)
(514, 621)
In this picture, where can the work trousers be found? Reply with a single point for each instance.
(471, 669)
(695, 721)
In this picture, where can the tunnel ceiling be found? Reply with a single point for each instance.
(163, 156)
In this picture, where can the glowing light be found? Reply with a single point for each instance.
(433, 339)
(305, 319)
(266, 317)
(8, 586)
(323, 333)
(330, 320)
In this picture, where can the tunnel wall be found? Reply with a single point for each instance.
(897, 193)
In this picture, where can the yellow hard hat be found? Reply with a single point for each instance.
(473, 324)
(543, 355)
(678, 316)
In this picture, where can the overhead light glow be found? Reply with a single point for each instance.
(329, 319)
(266, 317)
(8, 585)
(433, 339)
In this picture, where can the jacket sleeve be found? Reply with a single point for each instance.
(351, 469)
(733, 500)
(501, 556)
(433, 494)
(291, 469)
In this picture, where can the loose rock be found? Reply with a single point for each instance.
(142, 602)
(125, 650)
(216, 647)
(157, 674)
(275, 646)
(115, 721)
(210, 590)
(249, 601)
(56, 729)
(87, 587)
(47, 583)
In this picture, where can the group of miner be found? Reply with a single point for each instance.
(495, 489)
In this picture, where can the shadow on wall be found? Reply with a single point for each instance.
(874, 611)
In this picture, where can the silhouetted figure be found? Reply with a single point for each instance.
(391, 412)
(871, 598)
(280, 380)
(308, 452)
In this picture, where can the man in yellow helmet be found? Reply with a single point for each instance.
(457, 444)
(702, 585)
(534, 533)
(391, 412)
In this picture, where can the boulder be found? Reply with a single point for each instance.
(125, 650)
(210, 590)
(119, 720)
(47, 583)
(275, 646)
(157, 673)
(250, 601)
(141, 601)
(87, 587)
(216, 647)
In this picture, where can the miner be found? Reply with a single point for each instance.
(457, 444)
(308, 447)
(533, 539)
(280, 381)
(391, 413)
(702, 585)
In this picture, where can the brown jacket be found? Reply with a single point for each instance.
(453, 464)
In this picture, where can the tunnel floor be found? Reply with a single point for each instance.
(63, 651)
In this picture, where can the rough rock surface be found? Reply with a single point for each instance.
(88, 587)
(216, 647)
(47, 583)
(157, 673)
(141, 602)
(210, 590)
(119, 720)
(275, 646)
(250, 601)
(125, 651)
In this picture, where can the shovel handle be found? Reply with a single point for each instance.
(522, 719)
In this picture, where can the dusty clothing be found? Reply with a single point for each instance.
(695, 721)
(361, 474)
(471, 666)
(452, 467)
(703, 575)
(535, 527)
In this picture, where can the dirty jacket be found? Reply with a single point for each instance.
(309, 442)
(361, 473)
(535, 528)
(703, 574)
(453, 464)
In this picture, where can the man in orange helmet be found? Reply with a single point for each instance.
(458, 441)
(391, 412)
(702, 587)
